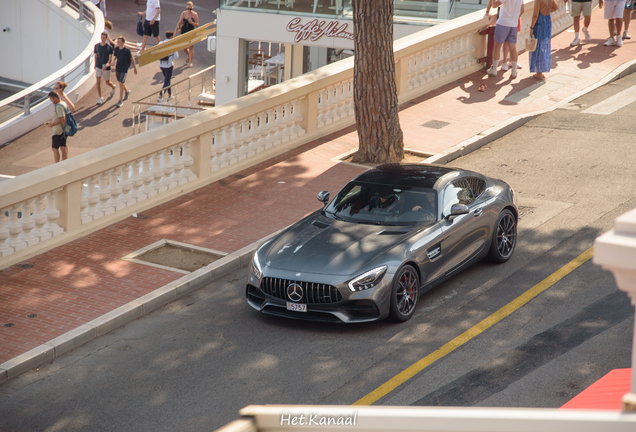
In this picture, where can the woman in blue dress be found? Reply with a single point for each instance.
(541, 28)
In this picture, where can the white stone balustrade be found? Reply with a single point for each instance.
(108, 184)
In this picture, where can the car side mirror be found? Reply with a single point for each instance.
(323, 197)
(457, 210)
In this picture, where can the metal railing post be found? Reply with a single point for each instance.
(27, 104)
(63, 4)
(87, 65)
(81, 10)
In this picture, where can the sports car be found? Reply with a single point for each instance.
(390, 234)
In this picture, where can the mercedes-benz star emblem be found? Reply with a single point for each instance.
(295, 292)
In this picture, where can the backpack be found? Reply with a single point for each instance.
(71, 125)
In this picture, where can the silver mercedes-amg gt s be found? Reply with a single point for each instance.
(390, 234)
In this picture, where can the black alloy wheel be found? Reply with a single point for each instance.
(504, 238)
(404, 295)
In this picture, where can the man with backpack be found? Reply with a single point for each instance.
(58, 123)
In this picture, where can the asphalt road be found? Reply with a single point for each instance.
(194, 363)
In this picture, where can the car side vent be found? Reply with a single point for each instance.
(434, 252)
(320, 224)
(393, 232)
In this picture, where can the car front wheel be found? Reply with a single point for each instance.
(406, 287)
(504, 238)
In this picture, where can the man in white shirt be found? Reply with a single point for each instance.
(506, 33)
(151, 22)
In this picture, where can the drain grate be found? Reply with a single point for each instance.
(8, 325)
(25, 266)
(31, 316)
(435, 124)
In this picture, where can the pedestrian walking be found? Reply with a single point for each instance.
(103, 57)
(166, 66)
(577, 8)
(506, 63)
(627, 17)
(101, 4)
(59, 88)
(506, 33)
(58, 140)
(541, 28)
(151, 22)
(188, 21)
(614, 11)
(123, 60)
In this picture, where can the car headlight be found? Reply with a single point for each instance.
(368, 280)
(255, 266)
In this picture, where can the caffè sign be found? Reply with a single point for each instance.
(316, 29)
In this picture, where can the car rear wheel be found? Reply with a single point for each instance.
(504, 238)
(406, 287)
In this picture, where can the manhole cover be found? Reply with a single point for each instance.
(25, 266)
(179, 257)
(435, 124)
(8, 325)
(239, 176)
(31, 316)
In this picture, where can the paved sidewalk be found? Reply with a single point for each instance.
(72, 285)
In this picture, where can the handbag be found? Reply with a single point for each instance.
(531, 44)
(140, 27)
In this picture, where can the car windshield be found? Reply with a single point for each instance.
(384, 205)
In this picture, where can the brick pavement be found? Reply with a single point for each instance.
(77, 282)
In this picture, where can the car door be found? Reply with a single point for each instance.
(464, 235)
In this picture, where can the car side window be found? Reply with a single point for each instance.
(457, 192)
(477, 185)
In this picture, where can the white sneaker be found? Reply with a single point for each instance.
(575, 42)
(619, 40)
(505, 67)
(100, 101)
(127, 94)
(586, 33)
(610, 42)
(626, 35)
(112, 92)
(519, 66)
(513, 74)
(491, 71)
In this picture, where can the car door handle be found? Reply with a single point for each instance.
(478, 212)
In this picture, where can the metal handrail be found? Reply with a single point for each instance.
(206, 83)
(81, 65)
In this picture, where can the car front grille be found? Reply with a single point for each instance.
(312, 292)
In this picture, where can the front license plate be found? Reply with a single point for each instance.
(298, 307)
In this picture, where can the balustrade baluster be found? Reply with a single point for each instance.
(114, 187)
(178, 164)
(126, 185)
(271, 139)
(92, 212)
(137, 182)
(245, 139)
(168, 169)
(53, 214)
(330, 115)
(262, 132)
(297, 118)
(234, 143)
(5, 249)
(147, 177)
(188, 161)
(254, 135)
(241, 150)
(341, 110)
(286, 122)
(411, 81)
(279, 136)
(104, 195)
(223, 148)
(15, 229)
(215, 162)
(321, 120)
(157, 174)
(229, 140)
(40, 219)
(28, 224)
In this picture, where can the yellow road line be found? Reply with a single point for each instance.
(517, 303)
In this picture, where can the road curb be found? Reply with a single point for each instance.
(124, 314)
(502, 129)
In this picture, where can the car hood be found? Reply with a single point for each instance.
(318, 244)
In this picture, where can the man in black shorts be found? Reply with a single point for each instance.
(151, 22)
(58, 141)
(123, 59)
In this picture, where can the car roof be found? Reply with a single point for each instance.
(406, 175)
